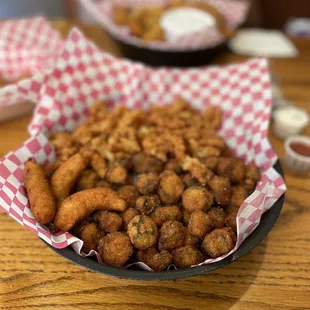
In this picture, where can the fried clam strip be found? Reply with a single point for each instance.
(42, 202)
(79, 205)
(66, 175)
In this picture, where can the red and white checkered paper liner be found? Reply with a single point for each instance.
(84, 74)
(234, 11)
(27, 46)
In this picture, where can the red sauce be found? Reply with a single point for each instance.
(301, 148)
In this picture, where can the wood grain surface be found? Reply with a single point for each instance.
(274, 275)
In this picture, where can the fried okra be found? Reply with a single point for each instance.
(217, 216)
(117, 174)
(187, 256)
(115, 249)
(238, 195)
(174, 165)
(108, 221)
(211, 163)
(189, 180)
(170, 187)
(218, 242)
(190, 239)
(88, 179)
(221, 190)
(129, 194)
(199, 224)
(252, 173)
(158, 261)
(171, 235)
(185, 216)
(166, 213)
(147, 204)
(91, 234)
(147, 183)
(142, 232)
(231, 220)
(231, 168)
(128, 215)
(143, 163)
(197, 198)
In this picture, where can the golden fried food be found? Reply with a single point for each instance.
(91, 235)
(231, 219)
(104, 183)
(108, 221)
(115, 249)
(174, 165)
(197, 169)
(231, 168)
(66, 175)
(153, 180)
(238, 196)
(221, 190)
(190, 239)
(79, 205)
(218, 242)
(170, 187)
(41, 200)
(187, 256)
(166, 213)
(199, 224)
(117, 174)
(189, 181)
(142, 232)
(154, 34)
(99, 165)
(185, 216)
(128, 215)
(120, 15)
(252, 173)
(197, 198)
(147, 204)
(158, 261)
(171, 236)
(146, 183)
(211, 163)
(129, 194)
(217, 216)
(143, 163)
(88, 179)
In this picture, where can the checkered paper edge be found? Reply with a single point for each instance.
(243, 92)
(234, 11)
(27, 46)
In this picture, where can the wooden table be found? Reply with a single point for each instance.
(275, 275)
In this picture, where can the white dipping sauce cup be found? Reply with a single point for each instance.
(185, 21)
(289, 121)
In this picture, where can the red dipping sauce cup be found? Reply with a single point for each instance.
(297, 154)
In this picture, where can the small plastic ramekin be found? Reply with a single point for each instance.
(293, 160)
(289, 121)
